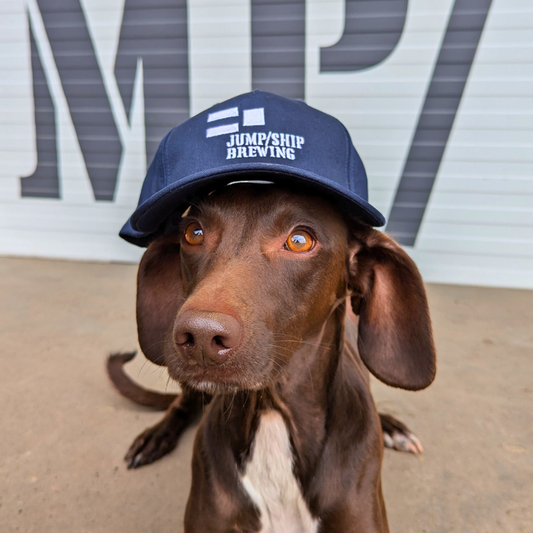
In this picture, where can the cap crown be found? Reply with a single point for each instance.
(253, 132)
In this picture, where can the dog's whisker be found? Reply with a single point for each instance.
(291, 338)
(310, 343)
(153, 345)
(231, 405)
(311, 379)
(145, 362)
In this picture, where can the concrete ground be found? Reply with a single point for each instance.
(64, 430)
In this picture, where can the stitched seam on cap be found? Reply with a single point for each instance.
(349, 158)
(164, 161)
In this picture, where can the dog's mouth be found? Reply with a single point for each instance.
(217, 379)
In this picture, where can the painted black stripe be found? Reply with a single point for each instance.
(44, 182)
(443, 97)
(163, 49)
(73, 83)
(372, 30)
(278, 47)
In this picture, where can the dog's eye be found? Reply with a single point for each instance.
(299, 241)
(194, 234)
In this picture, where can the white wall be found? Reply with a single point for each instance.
(478, 225)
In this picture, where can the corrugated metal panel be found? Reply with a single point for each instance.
(108, 78)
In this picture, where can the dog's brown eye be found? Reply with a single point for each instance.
(194, 234)
(299, 241)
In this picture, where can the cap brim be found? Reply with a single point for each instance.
(148, 216)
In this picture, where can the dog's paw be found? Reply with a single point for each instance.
(397, 436)
(151, 445)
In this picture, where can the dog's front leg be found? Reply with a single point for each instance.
(158, 440)
(217, 501)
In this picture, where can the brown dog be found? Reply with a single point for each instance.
(243, 298)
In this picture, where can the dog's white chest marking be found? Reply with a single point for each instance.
(270, 482)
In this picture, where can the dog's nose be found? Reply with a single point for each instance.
(206, 338)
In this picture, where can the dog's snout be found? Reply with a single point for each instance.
(206, 338)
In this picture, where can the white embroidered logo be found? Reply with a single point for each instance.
(253, 117)
(220, 115)
(258, 144)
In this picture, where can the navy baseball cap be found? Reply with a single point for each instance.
(261, 134)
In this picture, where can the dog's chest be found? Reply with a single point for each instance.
(269, 480)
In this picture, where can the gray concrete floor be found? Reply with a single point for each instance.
(64, 430)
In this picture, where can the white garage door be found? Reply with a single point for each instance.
(437, 95)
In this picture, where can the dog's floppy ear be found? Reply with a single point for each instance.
(159, 296)
(395, 335)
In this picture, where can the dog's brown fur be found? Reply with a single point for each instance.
(299, 355)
